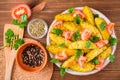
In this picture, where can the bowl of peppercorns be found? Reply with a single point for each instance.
(31, 57)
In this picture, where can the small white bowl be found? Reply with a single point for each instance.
(41, 36)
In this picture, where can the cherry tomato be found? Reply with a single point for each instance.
(98, 66)
(58, 23)
(101, 43)
(20, 10)
(80, 13)
(110, 27)
(86, 34)
(68, 34)
(81, 60)
(61, 56)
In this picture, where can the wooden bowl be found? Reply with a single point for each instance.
(26, 67)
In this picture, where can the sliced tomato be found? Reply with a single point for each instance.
(86, 34)
(58, 23)
(61, 56)
(81, 60)
(99, 66)
(68, 34)
(101, 43)
(20, 10)
(80, 13)
(110, 27)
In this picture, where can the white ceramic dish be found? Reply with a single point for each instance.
(106, 61)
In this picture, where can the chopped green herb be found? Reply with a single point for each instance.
(78, 53)
(57, 31)
(111, 58)
(95, 61)
(53, 60)
(102, 26)
(88, 44)
(96, 15)
(17, 43)
(9, 33)
(112, 41)
(15, 21)
(62, 71)
(77, 19)
(23, 18)
(94, 39)
(8, 40)
(70, 10)
(61, 45)
(22, 25)
(76, 36)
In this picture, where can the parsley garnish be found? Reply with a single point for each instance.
(77, 19)
(61, 45)
(94, 39)
(76, 36)
(102, 26)
(70, 10)
(96, 15)
(9, 33)
(88, 44)
(95, 61)
(17, 43)
(53, 60)
(78, 53)
(57, 31)
(62, 71)
(111, 58)
(22, 22)
(112, 41)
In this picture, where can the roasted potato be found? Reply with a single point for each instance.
(105, 34)
(89, 15)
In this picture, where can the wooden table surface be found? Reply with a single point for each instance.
(111, 8)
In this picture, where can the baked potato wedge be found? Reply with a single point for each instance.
(82, 44)
(64, 17)
(85, 68)
(55, 49)
(89, 15)
(94, 53)
(104, 32)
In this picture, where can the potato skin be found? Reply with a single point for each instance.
(81, 44)
(54, 50)
(94, 53)
(64, 17)
(104, 32)
(85, 68)
(89, 15)
(104, 55)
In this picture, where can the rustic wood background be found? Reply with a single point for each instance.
(111, 8)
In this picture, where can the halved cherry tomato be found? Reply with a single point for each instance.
(98, 66)
(81, 60)
(61, 56)
(58, 23)
(86, 34)
(20, 10)
(101, 43)
(110, 27)
(80, 13)
(68, 34)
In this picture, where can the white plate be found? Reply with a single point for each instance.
(106, 61)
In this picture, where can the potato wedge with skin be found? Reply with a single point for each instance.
(64, 17)
(104, 55)
(71, 26)
(85, 68)
(81, 44)
(94, 53)
(93, 29)
(89, 15)
(69, 62)
(104, 32)
(59, 40)
(54, 50)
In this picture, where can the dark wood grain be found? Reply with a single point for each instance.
(111, 8)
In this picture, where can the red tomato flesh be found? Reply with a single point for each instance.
(86, 34)
(80, 13)
(81, 60)
(61, 56)
(58, 23)
(101, 43)
(68, 34)
(20, 10)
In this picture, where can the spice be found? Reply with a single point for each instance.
(37, 28)
(32, 56)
